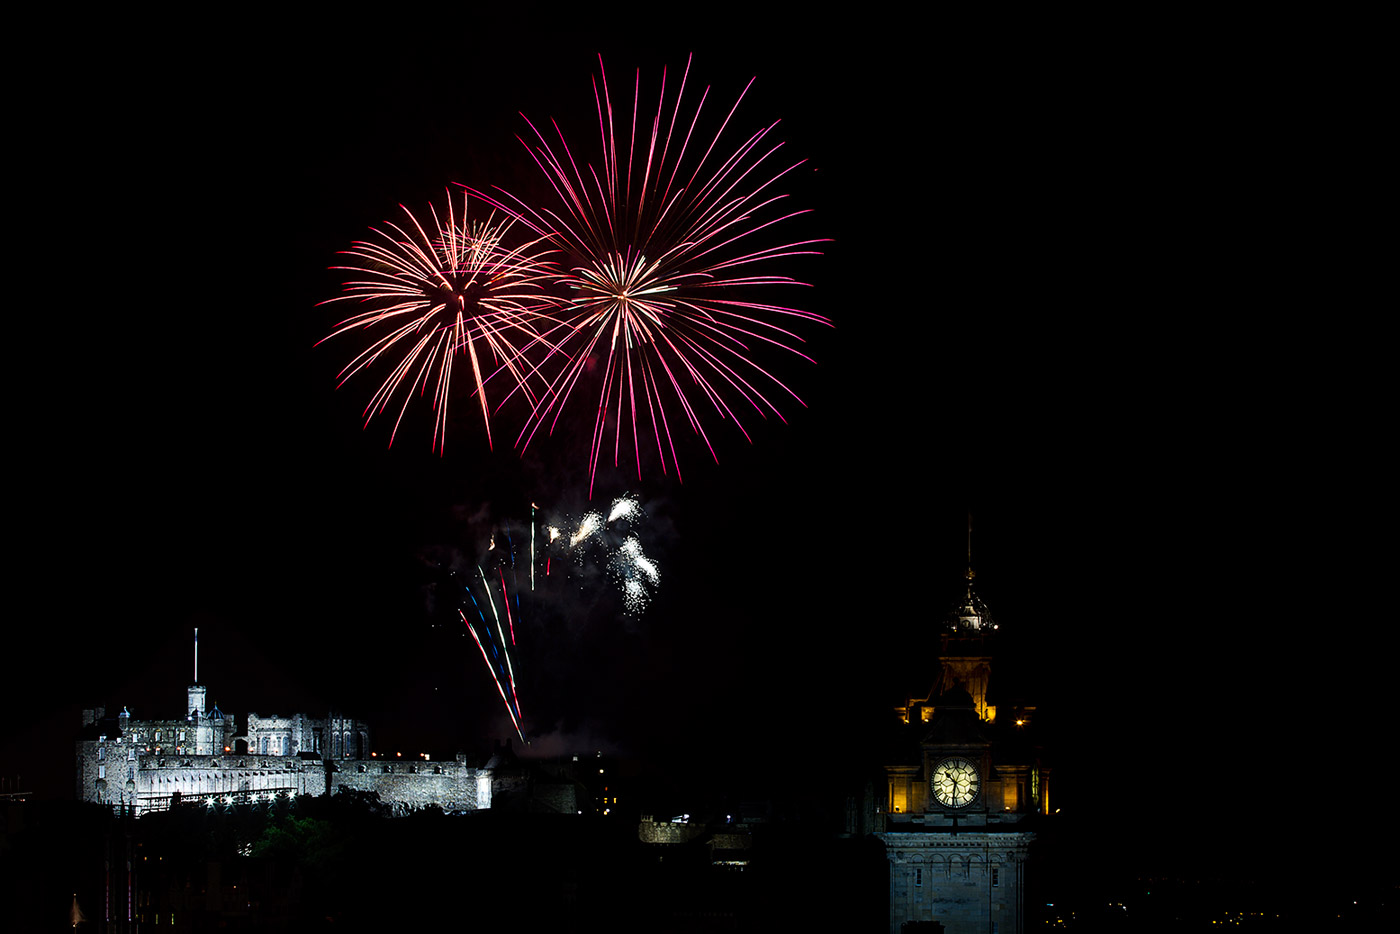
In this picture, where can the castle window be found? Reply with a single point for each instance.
(919, 876)
(102, 771)
(101, 753)
(996, 875)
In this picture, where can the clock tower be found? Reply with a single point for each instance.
(962, 791)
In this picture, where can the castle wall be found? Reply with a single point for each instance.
(150, 782)
(452, 786)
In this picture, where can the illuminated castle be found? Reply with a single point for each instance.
(962, 787)
(202, 756)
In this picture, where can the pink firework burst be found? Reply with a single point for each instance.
(436, 291)
(665, 243)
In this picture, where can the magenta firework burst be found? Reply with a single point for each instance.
(666, 239)
(433, 292)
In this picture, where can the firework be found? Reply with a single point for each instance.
(601, 548)
(664, 240)
(433, 292)
(636, 574)
(494, 634)
(606, 542)
(511, 701)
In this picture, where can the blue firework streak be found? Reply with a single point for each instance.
(495, 634)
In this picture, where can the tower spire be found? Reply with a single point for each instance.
(970, 615)
(196, 629)
(970, 573)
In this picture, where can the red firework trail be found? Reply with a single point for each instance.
(496, 677)
(505, 598)
(437, 291)
(663, 250)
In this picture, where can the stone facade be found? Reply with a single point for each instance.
(969, 882)
(410, 785)
(142, 765)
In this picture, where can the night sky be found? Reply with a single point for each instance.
(1037, 279)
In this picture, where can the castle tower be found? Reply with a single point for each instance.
(961, 791)
(195, 707)
(966, 637)
(965, 649)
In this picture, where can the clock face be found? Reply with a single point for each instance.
(955, 782)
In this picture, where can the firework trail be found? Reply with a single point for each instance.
(433, 292)
(494, 634)
(511, 701)
(664, 239)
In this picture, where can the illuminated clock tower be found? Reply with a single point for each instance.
(962, 792)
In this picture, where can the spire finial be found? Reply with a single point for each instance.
(971, 613)
(196, 637)
(970, 573)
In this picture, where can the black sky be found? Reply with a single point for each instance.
(1034, 279)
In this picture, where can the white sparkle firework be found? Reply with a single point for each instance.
(636, 574)
(624, 507)
(615, 546)
(591, 523)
